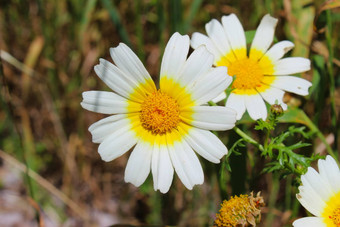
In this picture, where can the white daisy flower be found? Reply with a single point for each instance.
(320, 195)
(163, 126)
(261, 75)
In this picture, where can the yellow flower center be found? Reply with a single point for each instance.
(335, 217)
(239, 210)
(159, 113)
(331, 212)
(248, 73)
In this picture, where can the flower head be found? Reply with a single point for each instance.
(320, 195)
(239, 211)
(262, 74)
(162, 126)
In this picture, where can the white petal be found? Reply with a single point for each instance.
(175, 55)
(118, 81)
(116, 144)
(329, 171)
(235, 33)
(138, 165)
(314, 192)
(206, 144)
(209, 86)
(106, 126)
(309, 222)
(278, 50)
(292, 84)
(186, 164)
(310, 200)
(255, 106)
(273, 95)
(104, 102)
(210, 117)
(199, 39)
(198, 64)
(317, 183)
(264, 34)
(291, 65)
(114, 78)
(220, 97)
(237, 103)
(129, 63)
(162, 169)
(218, 36)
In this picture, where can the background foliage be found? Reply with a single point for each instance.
(48, 50)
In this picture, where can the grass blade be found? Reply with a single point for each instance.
(115, 17)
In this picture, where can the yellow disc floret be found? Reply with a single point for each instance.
(331, 212)
(239, 210)
(159, 113)
(335, 217)
(248, 73)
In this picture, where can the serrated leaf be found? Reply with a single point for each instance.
(298, 145)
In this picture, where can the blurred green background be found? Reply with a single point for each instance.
(48, 51)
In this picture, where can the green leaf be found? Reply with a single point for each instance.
(296, 115)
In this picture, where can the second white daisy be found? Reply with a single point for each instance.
(262, 75)
(320, 195)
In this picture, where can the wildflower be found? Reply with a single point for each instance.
(262, 74)
(163, 126)
(240, 210)
(320, 195)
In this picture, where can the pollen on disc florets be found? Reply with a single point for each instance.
(248, 73)
(159, 113)
(240, 210)
(335, 217)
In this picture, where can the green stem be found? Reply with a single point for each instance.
(275, 187)
(316, 130)
(248, 138)
(288, 193)
(266, 139)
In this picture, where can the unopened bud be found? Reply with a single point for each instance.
(277, 110)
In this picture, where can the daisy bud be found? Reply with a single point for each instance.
(276, 110)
